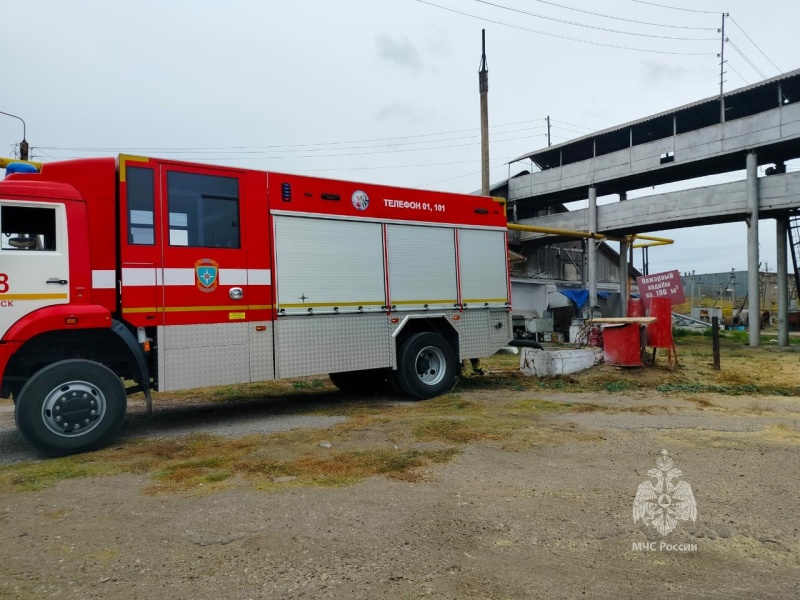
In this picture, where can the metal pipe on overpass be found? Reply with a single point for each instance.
(555, 231)
(657, 241)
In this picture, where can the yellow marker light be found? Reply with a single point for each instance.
(71, 320)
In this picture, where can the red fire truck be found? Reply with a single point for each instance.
(164, 275)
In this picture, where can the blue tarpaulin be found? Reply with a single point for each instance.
(579, 297)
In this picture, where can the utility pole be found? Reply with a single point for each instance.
(23, 145)
(548, 131)
(723, 39)
(483, 86)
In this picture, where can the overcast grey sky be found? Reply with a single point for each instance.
(375, 90)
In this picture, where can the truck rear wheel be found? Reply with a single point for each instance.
(71, 406)
(426, 366)
(359, 382)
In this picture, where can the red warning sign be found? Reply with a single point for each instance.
(661, 285)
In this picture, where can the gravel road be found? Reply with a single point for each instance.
(553, 520)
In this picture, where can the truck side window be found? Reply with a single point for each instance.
(27, 228)
(203, 210)
(141, 204)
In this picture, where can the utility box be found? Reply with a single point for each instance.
(539, 325)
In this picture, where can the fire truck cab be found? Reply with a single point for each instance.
(131, 274)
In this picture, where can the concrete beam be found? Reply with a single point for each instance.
(591, 267)
(721, 203)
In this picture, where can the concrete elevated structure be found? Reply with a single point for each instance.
(684, 143)
(745, 128)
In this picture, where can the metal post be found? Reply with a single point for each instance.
(624, 291)
(23, 145)
(548, 131)
(715, 341)
(721, 69)
(782, 231)
(753, 299)
(483, 86)
(591, 267)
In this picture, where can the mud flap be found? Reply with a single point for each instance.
(141, 372)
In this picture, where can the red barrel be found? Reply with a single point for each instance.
(622, 345)
(659, 332)
(635, 308)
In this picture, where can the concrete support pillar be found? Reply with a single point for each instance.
(782, 233)
(624, 291)
(753, 300)
(591, 243)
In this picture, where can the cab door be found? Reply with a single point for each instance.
(203, 278)
(34, 259)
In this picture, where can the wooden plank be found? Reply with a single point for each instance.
(623, 320)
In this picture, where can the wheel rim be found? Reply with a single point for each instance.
(430, 365)
(74, 408)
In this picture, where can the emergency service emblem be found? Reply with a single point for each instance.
(206, 273)
(663, 502)
(360, 200)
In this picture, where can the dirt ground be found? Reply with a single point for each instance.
(509, 487)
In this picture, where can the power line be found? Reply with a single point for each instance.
(737, 72)
(280, 147)
(376, 168)
(754, 44)
(706, 12)
(260, 154)
(564, 37)
(472, 173)
(532, 14)
(574, 125)
(561, 127)
(301, 148)
(747, 60)
(596, 14)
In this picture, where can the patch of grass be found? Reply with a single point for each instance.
(536, 404)
(217, 476)
(32, 476)
(347, 468)
(619, 386)
(585, 407)
(685, 388)
(448, 430)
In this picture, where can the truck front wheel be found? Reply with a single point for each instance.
(71, 406)
(426, 366)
